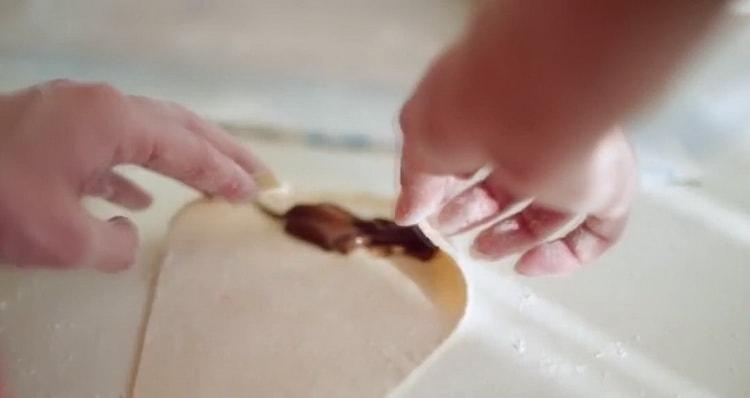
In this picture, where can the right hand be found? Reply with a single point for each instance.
(534, 90)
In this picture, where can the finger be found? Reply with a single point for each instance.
(160, 141)
(119, 190)
(520, 232)
(212, 133)
(436, 137)
(64, 235)
(196, 163)
(474, 206)
(428, 179)
(182, 155)
(579, 247)
(424, 194)
(421, 196)
(421, 192)
(224, 142)
(113, 244)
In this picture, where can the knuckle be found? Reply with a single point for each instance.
(405, 118)
(196, 172)
(94, 97)
(536, 222)
(80, 95)
(529, 225)
(59, 83)
(231, 188)
(205, 157)
(100, 92)
(152, 155)
(192, 121)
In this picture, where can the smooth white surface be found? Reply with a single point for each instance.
(664, 314)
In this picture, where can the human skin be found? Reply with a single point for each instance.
(59, 142)
(535, 90)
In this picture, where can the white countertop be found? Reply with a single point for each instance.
(665, 313)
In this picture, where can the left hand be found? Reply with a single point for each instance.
(58, 143)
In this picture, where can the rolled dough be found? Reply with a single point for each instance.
(242, 309)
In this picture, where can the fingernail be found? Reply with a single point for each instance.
(477, 254)
(529, 270)
(115, 269)
(448, 221)
(483, 247)
(469, 209)
(265, 180)
(401, 213)
(111, 262)
(547, 260)
(499, 240)
(536, 270)
(120, 221)
(244, 190)
(453, 219)
(242, 187)
(405, 212)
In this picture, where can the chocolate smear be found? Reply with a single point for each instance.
(332, 227)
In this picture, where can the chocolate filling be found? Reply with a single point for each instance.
(334, 228)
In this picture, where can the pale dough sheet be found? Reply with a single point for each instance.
(241, 309)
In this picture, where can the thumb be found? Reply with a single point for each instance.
(62, 234)
(113, 244)
(422, 192)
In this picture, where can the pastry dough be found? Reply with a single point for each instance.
(242, 309)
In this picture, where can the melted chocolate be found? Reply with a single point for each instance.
(334, 228)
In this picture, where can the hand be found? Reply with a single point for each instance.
(601, 185)
(533, 90)
(59, 141)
